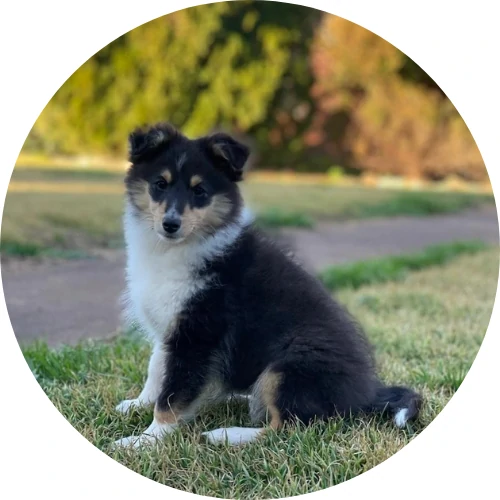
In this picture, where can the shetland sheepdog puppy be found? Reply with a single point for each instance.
(227, 310)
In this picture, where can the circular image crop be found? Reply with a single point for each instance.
(250, 250)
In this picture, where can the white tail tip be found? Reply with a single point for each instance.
(401, 417)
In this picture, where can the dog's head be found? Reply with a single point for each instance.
(184, 188)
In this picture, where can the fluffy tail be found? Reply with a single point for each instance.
(401, 403)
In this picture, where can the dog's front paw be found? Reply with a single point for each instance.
(135, 441)
(126, 405)
(153, 434)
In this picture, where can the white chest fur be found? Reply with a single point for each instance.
(161, 280)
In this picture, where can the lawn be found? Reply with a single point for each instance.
(70, 212)
(394, 267)
(426, 327)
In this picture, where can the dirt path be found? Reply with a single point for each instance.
(65, 301)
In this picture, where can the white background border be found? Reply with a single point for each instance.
(42, 43)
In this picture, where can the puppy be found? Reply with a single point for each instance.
(227, 311)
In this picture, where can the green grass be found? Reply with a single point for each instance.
(277, 217)
(417, 204)
(60, 175)
(20, 248)
(394, 268)
(61, 221)
(341, 203)
(426, 330)
(24, 250)
(82, 210)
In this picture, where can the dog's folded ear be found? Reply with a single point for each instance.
(229, 155)
(146, 141)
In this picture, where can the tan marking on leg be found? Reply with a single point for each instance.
(264, 397)
(269, 390)
(212, 391)
(170, 416)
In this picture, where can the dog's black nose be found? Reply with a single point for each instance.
(171, 224)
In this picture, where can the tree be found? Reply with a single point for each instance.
(216, 65)
(379, 111)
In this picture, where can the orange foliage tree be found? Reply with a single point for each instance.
(377, 111)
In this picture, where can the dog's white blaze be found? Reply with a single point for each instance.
(401, 417)
(233, 435)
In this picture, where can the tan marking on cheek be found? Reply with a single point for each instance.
(157, 210)
(191, 220)
(139, 194)
(217, 212)
(195, 180)
(206, 219)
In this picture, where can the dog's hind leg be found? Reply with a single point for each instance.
(263, 403)
(300, 390)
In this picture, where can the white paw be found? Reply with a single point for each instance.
(151, 435)
(126, 405)
(135, 441)
(233, 435)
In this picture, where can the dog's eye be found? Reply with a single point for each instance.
(161, 184)
(199, 191)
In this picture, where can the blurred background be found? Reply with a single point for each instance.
(314, 92)
(355, 148)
